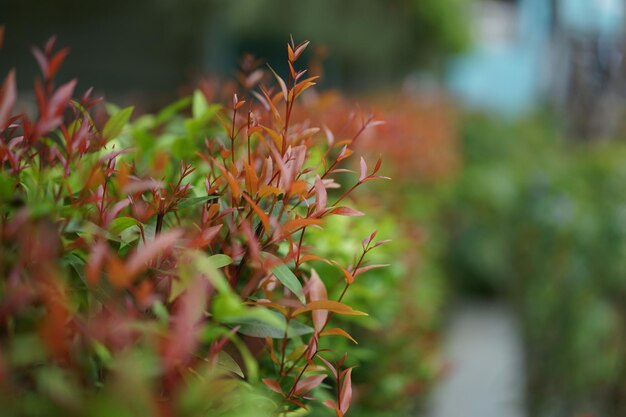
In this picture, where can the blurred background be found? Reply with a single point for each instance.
(505, 138)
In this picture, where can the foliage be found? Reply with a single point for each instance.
(398, 352)
(409, 33)
(162, 267)
(541, 221)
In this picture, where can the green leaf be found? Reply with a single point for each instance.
(160, 312)
(207, 265)
(168, 112)
(6, 186)
(227, 363)
(220, 260)
(266, 323)
(116, 123)
(199, 104)
(227, 306)
(192, 201)
(120, 224)
(288, 279)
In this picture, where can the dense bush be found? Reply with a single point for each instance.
(163, 266)
(541, 221)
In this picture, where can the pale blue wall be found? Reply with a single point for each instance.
(509, 80)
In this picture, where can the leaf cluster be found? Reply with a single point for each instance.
(167, 259)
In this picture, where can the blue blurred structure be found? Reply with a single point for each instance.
(523, 50)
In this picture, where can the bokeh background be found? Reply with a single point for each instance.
(505, 138)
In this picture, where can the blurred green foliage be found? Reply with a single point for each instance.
(543, 222)
(397, 356)
(367, 40)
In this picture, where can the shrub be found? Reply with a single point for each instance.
(540, 221)
(162, 267)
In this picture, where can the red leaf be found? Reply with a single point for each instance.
(378, 164)
(364, 269)
(330, 367)
(140, 260)
(345, 395)
(8, 95)
(346, 211)
(93, 268)
(321, 197)
(369, 239)
(206, 236)
(53, 112)
(184, 334)
(330, 404)
(55, 63)
(42, 61)
(142, 186)
(273, 385)
(308, 384)
(317, 292)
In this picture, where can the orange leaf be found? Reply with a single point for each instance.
(299, 188)
(338, 332)
(269, 304)
(252, 180)
(235, 189)
(345, 153)
(334, 306)
(307, 258)
(290, 54)
(295, 224)
(346, 211)
(276, 137)
(223, 122)
(347, 275)
(271, 104)
(119, 276)
(262, 215)
(269, 190)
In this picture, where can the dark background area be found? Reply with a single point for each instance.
(146, 49)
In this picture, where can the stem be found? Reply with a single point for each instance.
(232, 138)
(248, 135)
(330, 315)
(160, 216)
(284, 347)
